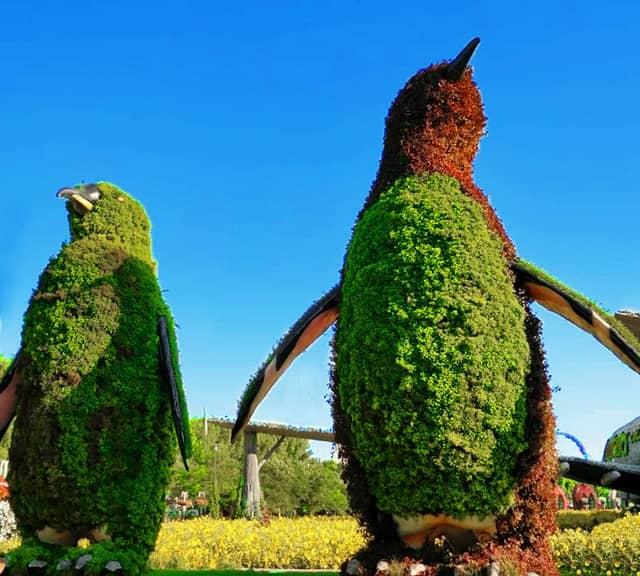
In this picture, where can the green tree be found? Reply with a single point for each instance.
(293, 482)
(6, 439)
(568, 485)
(4, 364)
(214, 468)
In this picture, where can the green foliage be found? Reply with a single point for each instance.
(29, 549)
(586, 520)
(116, 220)
(215, 468)
(93, 439)
(6, 439)
(431, 353)
(567, 484)
(101, 553)
(5, 443)
(292, 481)
(4, 365)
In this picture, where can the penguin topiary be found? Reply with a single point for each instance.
(440, 396)
(95, 383)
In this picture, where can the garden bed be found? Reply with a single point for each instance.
(319, 545)
(239, 572)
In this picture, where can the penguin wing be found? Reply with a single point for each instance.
(625, 477)
(609, 331)
(169, 375)
(309, 327)
(8, 396)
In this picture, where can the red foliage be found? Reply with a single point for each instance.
(4, 489)
(529, 523)
(435, 125)
(582, 495)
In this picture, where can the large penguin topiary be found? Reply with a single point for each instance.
(441, 402)
(95, 383)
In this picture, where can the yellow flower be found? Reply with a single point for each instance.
(84, 543)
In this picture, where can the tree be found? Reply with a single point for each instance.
(4, 364)
(296, 483)
(214, 468)
(6, 439)
(292, 481)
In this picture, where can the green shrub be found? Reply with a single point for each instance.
(432, 354)
(4, 364)
(586, 519)
(611, 549)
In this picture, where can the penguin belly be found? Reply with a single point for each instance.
(431, 357)
(92, 443)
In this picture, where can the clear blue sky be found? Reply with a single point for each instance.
(252, 131)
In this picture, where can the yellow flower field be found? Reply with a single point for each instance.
(306, 542)
(611, 549)
(608, 550)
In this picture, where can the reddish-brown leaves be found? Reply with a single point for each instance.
(435, 125)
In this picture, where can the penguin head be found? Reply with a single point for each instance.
(105, 211)
(436, 121)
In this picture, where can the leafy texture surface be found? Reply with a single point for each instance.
(93, 436)
(431, 353)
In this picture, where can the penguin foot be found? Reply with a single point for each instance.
(461, 534)
(387, 558)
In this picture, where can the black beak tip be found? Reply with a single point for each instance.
(455, 70)
(65, 192)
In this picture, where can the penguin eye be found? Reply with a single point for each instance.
(91, 192)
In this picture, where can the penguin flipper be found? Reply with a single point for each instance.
(548, 292)
(625, 477)
(170, 376)
(8, 396)
(309, 327)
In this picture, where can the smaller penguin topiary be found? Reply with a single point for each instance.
(98, 393)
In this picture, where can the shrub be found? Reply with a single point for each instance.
(586, 519)
(611, 549)
(4, 364)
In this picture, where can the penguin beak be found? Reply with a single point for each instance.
(82, 199)
(455, 70)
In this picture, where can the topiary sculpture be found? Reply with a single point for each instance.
(94, 386)
(441, 402)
